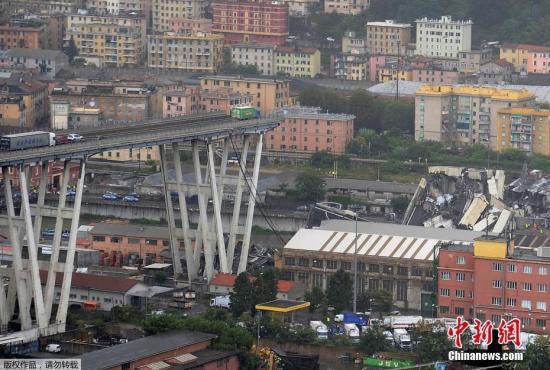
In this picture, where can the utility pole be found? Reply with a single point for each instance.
(398, 68)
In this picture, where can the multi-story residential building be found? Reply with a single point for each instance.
(34, 96)
(307, 129)
(495, 72)
(393, 72)
(223, 100)
(434, 76)
(43, 7)
(12, 110)
(375, 62)
(127, 101)
(108, 40)
(388, 37)
(116, 6)
(23, 33)
(47, 62)
(463, 113)
(251, 22)
(198, 52)
(347, 7)
(300, 8)
(395, 258)
(349, 66)
(298, 62)
(518, 55)
(492, 280)
(539, 61)
(353, 44)
(525, 129)
(471, 61)
(180, 102)
(262, 56)
(190, 25)
(267, 94)
(443, 38)
(164, 11)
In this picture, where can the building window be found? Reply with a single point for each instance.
(512, 284)
(459, 310)
(402, 288)
(151, 241)
(304, 262)
(497, 284)
(98, 238)
(318, 280)
(374, 268)
(460, 276)
(526, 321)
(527, 287)
(541, 305)
(402, 270)
(445, 275)
(374, 284)
(543, 270)
(511, 302)
(387, 285)
(332, 264)
(497, 301)
(443, 309)
(289, 261)
(83, 297)
(460, 260)
(511, 268)
(541, 323)
(459, 293)
(303, 276)
(526, 304)
(346, 265)
(387, 269)
(317, 264)
(527, 269)
(107, 300)
(361, 266)
(416, 271)
(543, 287)
(133, 241)
(445, 292)
(116, 239)
(497, 266)
(495, 318)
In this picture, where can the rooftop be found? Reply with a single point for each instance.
(141, 348)
(444, 19)
(137, 231)
(282, 306)
(530, 47)
(526, 111)
(313, 113)
(228, 280)
(203, 357)
(34, 53)
(475, 90)
(389, 23)
(244, 78)
(92, 281)
(253, 46)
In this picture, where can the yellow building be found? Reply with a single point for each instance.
(267, 94)
(518, 54)
(298, 62)
(463, 113)
(131, 155)
(525, 129)
(12, 111)
(108, 40)
(197, 52)
(390, 73)
(388, 37)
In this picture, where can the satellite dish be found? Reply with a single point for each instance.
(91, 104)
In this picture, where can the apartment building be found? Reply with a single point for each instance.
(346, 7)
(190, 25)
(525, 129)
(395, 258)
(223, 100)
(539, 61)
(23, 33)
(301, 8)
(33, 96)
(388, 37)
(108, 40)
(434, 76)
(471, 61)
(349, 66)
(492, 280)
(191, 52)
(251, 22)
(180, 102)
(307, 129)
(463, 113)
(444, 37)
(521, 54)
(353, 44)
(391, 72)
(267, 94)
(117, 6)
(43, 7)
(298, 62)
(262, 56)
(47, 62)
(164, 11)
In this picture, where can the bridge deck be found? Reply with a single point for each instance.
(175, 130)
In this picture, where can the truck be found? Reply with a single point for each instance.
(319, 328)
(27, 140)
(222, 301)
(403, 322)
(246, 112)
(402, 339)
(352, 318)
(352, 331)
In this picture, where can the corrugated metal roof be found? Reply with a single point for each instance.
(158, 365)
(186, 358)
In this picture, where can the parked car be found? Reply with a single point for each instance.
(75, 137)
(53, 348)
(130, 199)
(66, 234)
(109, 196)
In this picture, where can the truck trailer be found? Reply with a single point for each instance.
(27, 140)
(320, 329)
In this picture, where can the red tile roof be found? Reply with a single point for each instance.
(228, 280)
(504, 63)
(530, 47)
(91, 281)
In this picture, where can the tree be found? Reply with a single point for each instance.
(322, 159)
(430, 343)
(340, 290)
(316, 298)
(309, 187)
(380, 300)
(373, 340)
(242, 296)
(400, 204)
(265, 287)
(71, 50)
(537, 354)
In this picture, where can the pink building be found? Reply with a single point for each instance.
(435, 76)
(222, 99)
(307, 129)
(184, 25)
(375, 62)
(180, 102)
(539, 61)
